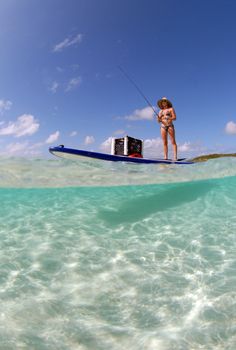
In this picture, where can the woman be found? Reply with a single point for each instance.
(166, 117)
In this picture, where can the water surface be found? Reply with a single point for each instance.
(111, 256)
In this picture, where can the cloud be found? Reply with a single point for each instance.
(5, 105)
(106, 145)
(73, 83)
(190, 149)
(185, 147)
(146, 113)
(89, 140)
(68, 42)
(153, 147)
(16, 148)
(22, 149)
(53, 88)
(153, 143)
(53, 137)
(73, 133)
(24, 125)
(230, 128)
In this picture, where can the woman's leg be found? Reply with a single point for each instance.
(165, 142)
(171, 131)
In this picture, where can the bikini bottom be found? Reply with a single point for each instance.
(166, 127)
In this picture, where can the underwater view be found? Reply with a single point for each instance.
(103, 256)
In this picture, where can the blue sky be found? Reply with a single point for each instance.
(60, 83)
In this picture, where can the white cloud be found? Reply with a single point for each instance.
(24, 125)
(22, 149)
(53, 88)
(53, 137)
(146, 113)
(73, 83)
(153, 147)
(230, 128)
(68, 42)
(106, 145)
(185, 147)
(5, 105)
(73, 133)
(37, 145)
(89, 140)
(190, 149)
(16, 148)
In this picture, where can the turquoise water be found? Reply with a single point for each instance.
(111, 256)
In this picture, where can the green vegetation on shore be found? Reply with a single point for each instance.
(206, 157)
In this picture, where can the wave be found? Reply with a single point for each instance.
(47, 173)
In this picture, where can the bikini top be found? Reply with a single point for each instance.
(166, 114)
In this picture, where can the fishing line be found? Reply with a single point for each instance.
(137, 88)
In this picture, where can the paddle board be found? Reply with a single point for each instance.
(71, 153)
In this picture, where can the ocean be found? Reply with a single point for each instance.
(104, 256)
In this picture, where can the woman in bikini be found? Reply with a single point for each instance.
(166, 117)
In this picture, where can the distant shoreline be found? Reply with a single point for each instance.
(206, 157)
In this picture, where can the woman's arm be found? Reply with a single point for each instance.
(173, 115)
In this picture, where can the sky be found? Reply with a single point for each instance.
(60, 81)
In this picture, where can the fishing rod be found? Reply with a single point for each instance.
(137, 88)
